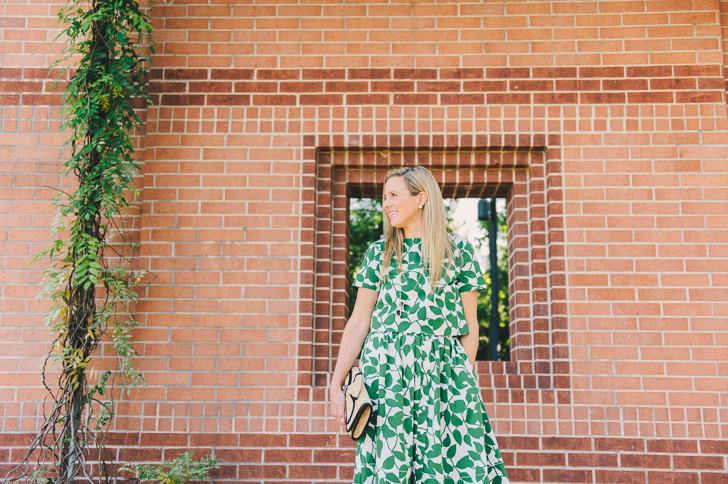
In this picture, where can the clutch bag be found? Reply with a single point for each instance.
(358, 404)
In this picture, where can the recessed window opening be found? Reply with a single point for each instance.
(463, 218)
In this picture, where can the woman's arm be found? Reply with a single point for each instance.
(470, 308)
(355, 332)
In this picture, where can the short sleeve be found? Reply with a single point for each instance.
(367, 275)
(471, 276)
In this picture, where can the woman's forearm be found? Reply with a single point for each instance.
(470, 308)
(355, 332)
(470, 342)
(351, 343)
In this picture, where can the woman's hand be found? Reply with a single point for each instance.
(338, 403)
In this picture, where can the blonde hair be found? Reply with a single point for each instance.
(436, 244)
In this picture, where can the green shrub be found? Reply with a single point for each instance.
(176, 471)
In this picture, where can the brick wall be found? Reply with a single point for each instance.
(604, 124)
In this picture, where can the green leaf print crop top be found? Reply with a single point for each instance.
(423, 311)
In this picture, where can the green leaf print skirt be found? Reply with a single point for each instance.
(429, 423)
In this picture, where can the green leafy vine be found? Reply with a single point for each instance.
(107, 57)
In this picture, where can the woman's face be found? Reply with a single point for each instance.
(401, 206)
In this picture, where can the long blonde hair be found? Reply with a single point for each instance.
(436, 244)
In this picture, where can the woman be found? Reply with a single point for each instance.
(416, 336)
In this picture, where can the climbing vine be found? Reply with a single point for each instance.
(107, 56)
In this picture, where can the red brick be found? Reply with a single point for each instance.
(629, 477)
(343, 86)
(185, 74)
(447, 99)
(278, 74)
(697, 71)
(601, 72)
(39, 99)
(556, 98)
(698, 462)
(393, 86)
(164, 440)
(566, 443)
(672, 446)
(564, 475)
(231, 74)
(370, 74)
(217, 440)
(613, 444)
(274, 100)
(250, 471)
(485, 86)
(208, 87)
(302, 87)
(521, 474)
(539, 459)
(312, 440)
(263, 440)
(649, 71)
(256, 87)
(714, 477)
(554, 72)
(415, 74)
(321, 99)
(650, 97)
(323, 74)
(645, 461)
(168, 87)
(344, 456)
(577, 85)
(520, 85)
(673, 84)
(507, 73)
(602, 98)
(624, 84)
(312, 472)
(353, 99)
(494, 98)
(713, 447)
(698, 97)
(461, 73)
(592, 460)
(287, 455)
(673, 477)
(438, 86)
(415, 99)
(183, 100)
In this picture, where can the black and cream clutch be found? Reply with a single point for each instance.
(358, 404)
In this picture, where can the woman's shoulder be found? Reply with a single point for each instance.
(377, 246)
(458, 240)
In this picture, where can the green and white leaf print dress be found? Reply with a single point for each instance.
(429, 423)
